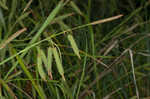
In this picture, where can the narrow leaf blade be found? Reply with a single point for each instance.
(74, 45)
(39, 65)
(58, 63)
(49, 62)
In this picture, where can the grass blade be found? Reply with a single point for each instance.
(75, 7)
(58, 63)
(5, 85)
(13, 9)
(43, 57)
(27, 6)
(74, 45)
(3, 5)
(48, 21)
(39, 65)
(42, 91)
(62, 17)
(83, 72)
(29, 47)
(134, 78)
(49, 62)
(29, 75)
(2, 45)
(2, 20)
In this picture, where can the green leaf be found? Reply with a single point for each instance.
(71, 39)
(43, 57)
(74, 45)
(19, 19)
(3, 5)
(75, 7)
(58, 63)
(5, 85)
(49, 60)
(2, 20)
(39, 65)
(62, 17)
(48, 21)
(42, 91)
(13, 9)
(29, 75)
(63, 26)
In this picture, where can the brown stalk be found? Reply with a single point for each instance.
(3, 44)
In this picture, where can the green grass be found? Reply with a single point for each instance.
(63, 49)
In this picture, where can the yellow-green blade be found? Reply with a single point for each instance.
(58, 62)
(74, 45)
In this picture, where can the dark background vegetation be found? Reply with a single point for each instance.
(105, 69)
